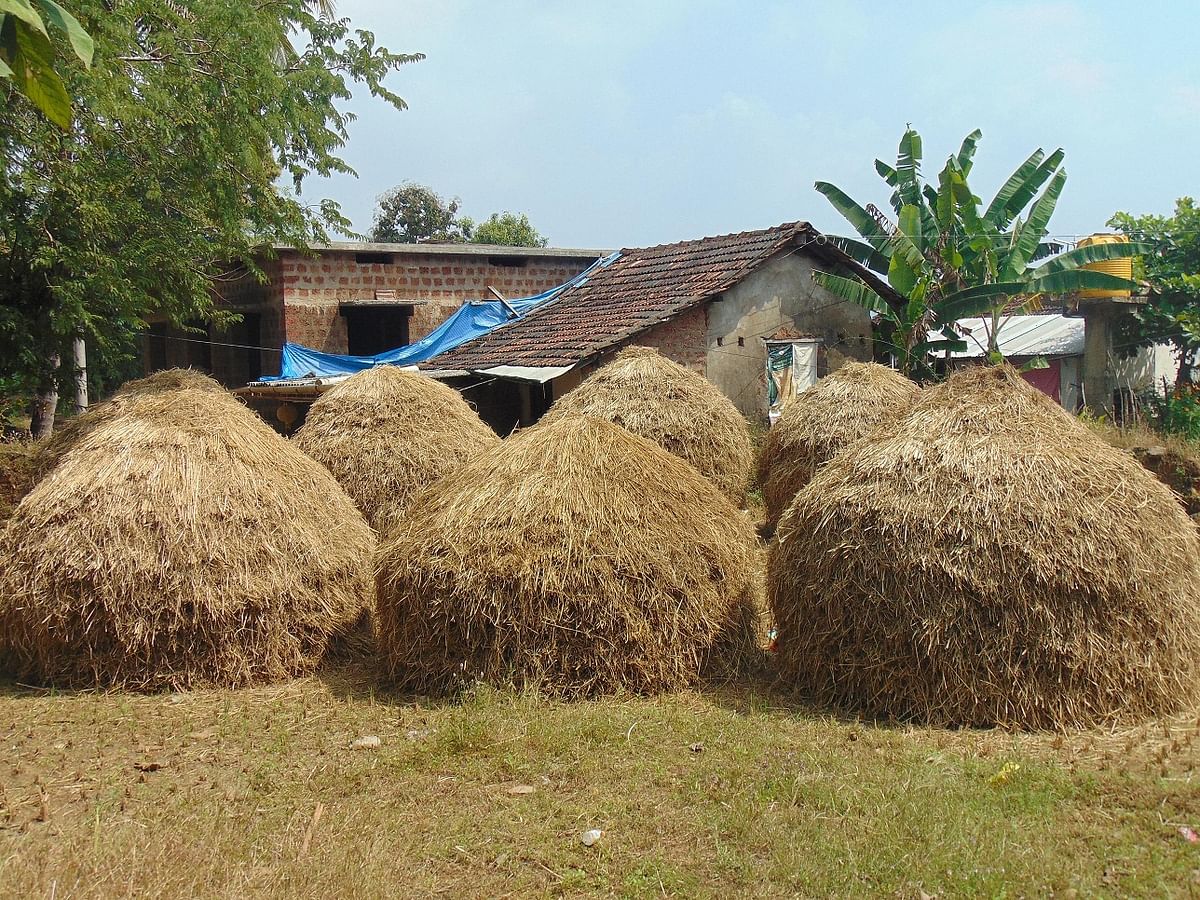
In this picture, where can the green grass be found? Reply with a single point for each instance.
(710, 794)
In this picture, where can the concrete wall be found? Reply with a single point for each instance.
(781, 294)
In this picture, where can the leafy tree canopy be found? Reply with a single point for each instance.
(1172, 314)
(27, 54)
(950, 257)
(507, 229)
(412, 213)
(189, 117)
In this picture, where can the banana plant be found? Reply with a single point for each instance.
(950, 257)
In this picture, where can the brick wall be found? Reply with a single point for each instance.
(436, 283)
(683, 339)
(300, 300)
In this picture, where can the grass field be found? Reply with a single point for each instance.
(732, 792)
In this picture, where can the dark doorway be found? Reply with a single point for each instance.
(376, 327)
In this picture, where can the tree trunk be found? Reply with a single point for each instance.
(1187, 365)
(79, 351)
(45, 403)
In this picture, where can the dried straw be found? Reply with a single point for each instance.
(991, 562)
(675, 408)
(844, 406)
(69, 432)
(577, 558)
(385, 434)
(180, 543)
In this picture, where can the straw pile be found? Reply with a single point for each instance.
(180, 543)
(991, 562)
(576, 559)
(838, 410)
(69, 432)
(679, 410)
(385, 434)
(17, 467)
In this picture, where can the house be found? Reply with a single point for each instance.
(1060, 340)
(352, 298)
(709, 304)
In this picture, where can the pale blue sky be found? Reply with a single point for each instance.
(627, 124)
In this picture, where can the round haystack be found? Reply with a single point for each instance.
(385, 434)
(69, 432)
(990, 562)
(181, 543)
(578, 559)
(678, 409)
(838, 410)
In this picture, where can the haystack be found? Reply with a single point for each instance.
(679, 410)
(841, 408)
(69, 432)
(385, 434)
(989, 562)
(180, 543)
(577, 558)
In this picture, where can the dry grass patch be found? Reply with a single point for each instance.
(728, 794)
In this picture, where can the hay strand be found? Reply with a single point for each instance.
(385, 434)
(844, 406)
(991, 562)
(180, 542)
(681, 411)
(577, 558)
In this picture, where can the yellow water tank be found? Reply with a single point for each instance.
(1122, 268)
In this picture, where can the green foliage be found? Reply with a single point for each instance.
(1172, 314)
(1176, 413)
(412, 213)
(27, 56)
(949, 261)
(192, 112)
(507, 229)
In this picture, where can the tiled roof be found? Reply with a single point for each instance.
(642, 288)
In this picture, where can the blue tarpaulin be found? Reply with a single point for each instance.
(471, 320)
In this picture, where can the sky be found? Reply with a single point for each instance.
(626, 124)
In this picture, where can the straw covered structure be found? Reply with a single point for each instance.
(678, 409)
(180, 543)
(844, 406)
(69, 432)
(577, 559)
(989, 562)
(385, 434)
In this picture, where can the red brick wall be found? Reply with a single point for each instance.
(683, 339)
(300, 300)
(436, 283)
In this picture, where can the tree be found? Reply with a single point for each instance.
(192, 112)
(27, 56)
(950, 259)
(507, 229)
(413, 213)
(1172, 313)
